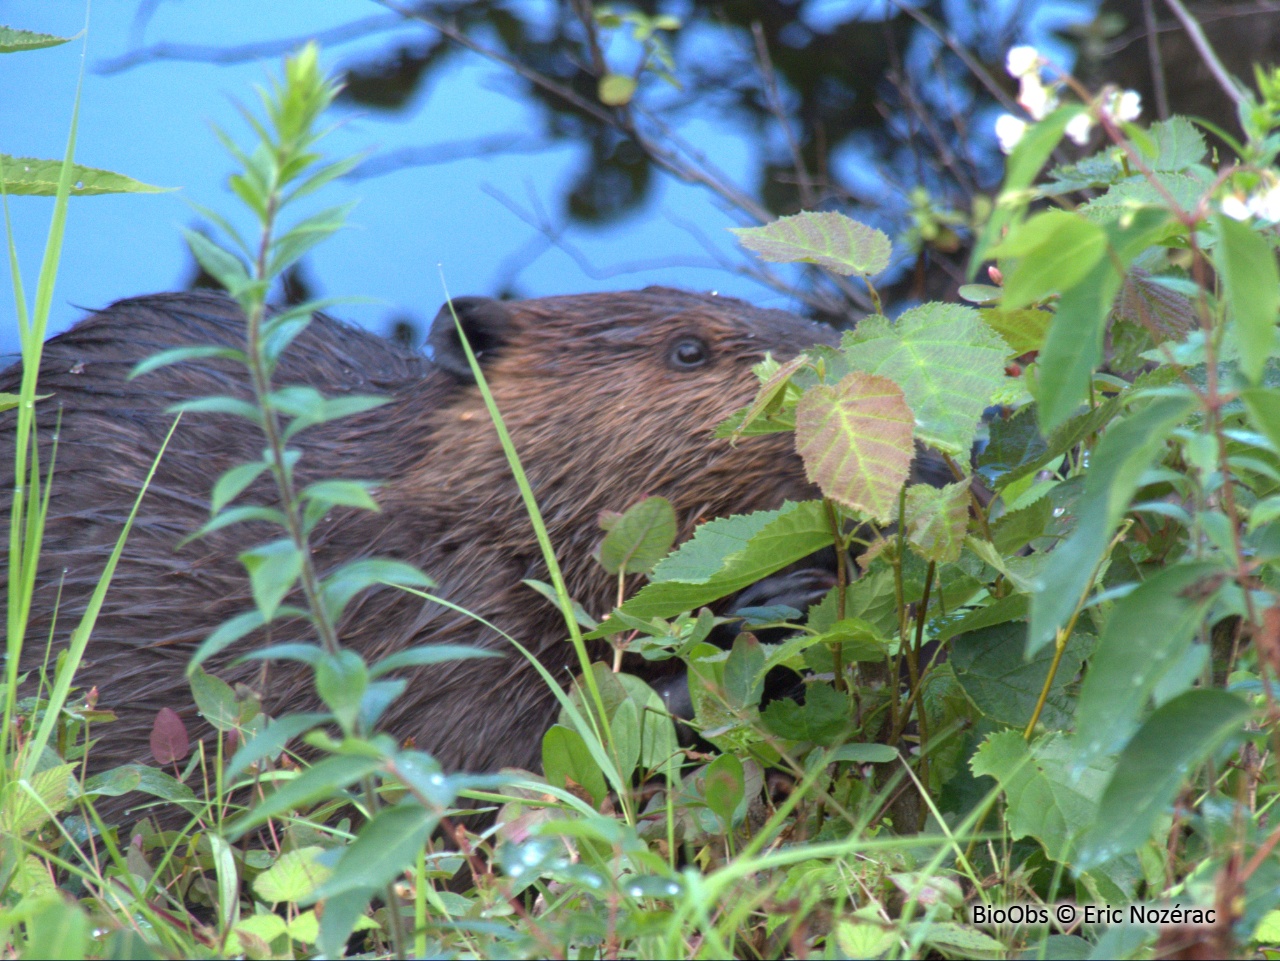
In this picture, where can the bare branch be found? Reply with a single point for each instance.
(1228, 83)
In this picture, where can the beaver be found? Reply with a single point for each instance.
(608, 397)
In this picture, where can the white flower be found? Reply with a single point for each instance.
(1267, 204)
(1036, 97)
(1009, 130)
(1079, 127)
(1235, 208)
(1123, 105)
(1022, 61)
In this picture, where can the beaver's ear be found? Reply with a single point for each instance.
(486, 322)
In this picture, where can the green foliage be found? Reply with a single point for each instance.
(1050, 679)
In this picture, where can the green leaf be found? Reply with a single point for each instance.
(1177, 738)
(863, 754)
(232, 484)
(1251, 289)
(347, 581)
(641, 537)
(725, 788)
(1055, 250)
(180, 354)
(24, 804)
(856, 442)
(341, 680)
(1023, 330)
(1116, 466)
(769, 397)
(322, 780)
(937, 518)
(221, 265)
(1000, 611)
(990, 666)
(219, 405)
(344, 493)
(238, 515)
(215, 699)
(1146, 634)
(271, 740)
(1047, 798)
(624, 727)
(1073, 348)
(726, 555)
(1263, 405)
(273, 569)
(659, 745)
(616, 89)
(381, 851)
(565, 758)
(822, 719)
(829, 239)
(1026, 161)
(948, 363)
(26, 176)
(16, 41)
(226, 634)
(428, 654)
(295, 875)
(744, 672)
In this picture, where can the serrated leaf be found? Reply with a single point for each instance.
(1047, 798)
(25, 804)
(16, 41)
(1149, 304)
(295, 874)
(27, 176)
(1246, 263)
(937, 518)
(1177, 738)
(856, 442)
(1023, 330)
(826, 238)
(640, 537)
(726, 555)
(947, 362)
(822, 719)
(768, 396)
(1005, 686)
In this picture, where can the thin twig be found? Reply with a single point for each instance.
(1201, 43)
(1157, 62)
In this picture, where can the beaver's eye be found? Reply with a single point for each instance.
(688, 353)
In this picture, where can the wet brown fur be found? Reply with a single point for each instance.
(599, 417)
